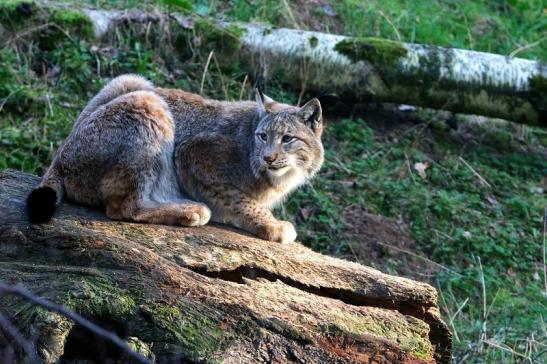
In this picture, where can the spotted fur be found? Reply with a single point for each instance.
(167, 156)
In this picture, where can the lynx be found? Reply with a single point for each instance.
(166, 156)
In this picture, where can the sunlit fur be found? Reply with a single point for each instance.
(167, 156)
(296, 160)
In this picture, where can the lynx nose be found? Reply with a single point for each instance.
(270, 158)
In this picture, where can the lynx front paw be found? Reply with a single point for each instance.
(279, 231)
(196, 215)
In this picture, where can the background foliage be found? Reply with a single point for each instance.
(473, 225)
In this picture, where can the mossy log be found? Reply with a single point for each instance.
(370, 69)
(204, 294)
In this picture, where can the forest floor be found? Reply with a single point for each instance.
(455, 200)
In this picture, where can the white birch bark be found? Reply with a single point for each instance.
(430, 76)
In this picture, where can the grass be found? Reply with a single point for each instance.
(478, 212)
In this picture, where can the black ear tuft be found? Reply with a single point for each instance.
(259, 97)
(263, 102)
(312, 114)
(41, 204)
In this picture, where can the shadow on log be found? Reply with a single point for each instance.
(204, 294)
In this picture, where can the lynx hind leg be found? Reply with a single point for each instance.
(187, 213)
(143, 186)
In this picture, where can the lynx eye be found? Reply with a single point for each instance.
(263, 136)
(287, 139)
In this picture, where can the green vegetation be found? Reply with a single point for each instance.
(102, 300)
(478, 212)
(381, 52)
(223, 40)
(198, 334)
(313, 41)
(490, 26)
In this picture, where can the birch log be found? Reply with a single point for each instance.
(378, 69)
(208, 294)
(388, 71)
(353, 68)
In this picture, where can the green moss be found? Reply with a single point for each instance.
(18, 16)
(313, 41)
(15, 13)
(141, 347)
(12, 5)
(193, 333)
(224, 39)
(379, 52)
(417, 344)
(102, 298)
(73, 22)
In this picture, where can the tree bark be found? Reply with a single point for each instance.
(204, 294)
(373, 69)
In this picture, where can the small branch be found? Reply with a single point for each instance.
(420, 257)
(498, 346)
(243, 87)
(545, 249)
(88, 325)
(527, 46)
(392, 25)
(205, 72)
(481, 178)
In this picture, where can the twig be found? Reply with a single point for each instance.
(409, 168)
(205, 72)
(420, 257)
(544, 249)
(7, 98)
(483, 287)
(481, 178)
(454, 316)
(392, 25)
(26, 32)
(291, 15)
(526, 46)
(243, 87)
(88, 325)
(482, 334)
(507, 349)
(492, 304)
(16, 336)
(221, 78)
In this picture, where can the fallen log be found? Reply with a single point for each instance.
(204, 294)
(370, 68)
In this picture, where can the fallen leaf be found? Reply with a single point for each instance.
(420, 168)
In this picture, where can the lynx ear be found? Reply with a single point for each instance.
(262, 102)
(312, 115)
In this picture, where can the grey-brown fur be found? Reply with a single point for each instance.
(167, 156)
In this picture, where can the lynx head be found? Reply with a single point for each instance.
(288, 148)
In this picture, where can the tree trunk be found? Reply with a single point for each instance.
(371, 68)
(204, 294)
(387, 71)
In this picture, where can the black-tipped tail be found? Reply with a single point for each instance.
(41, 204)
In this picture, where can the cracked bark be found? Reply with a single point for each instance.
(205, 294)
